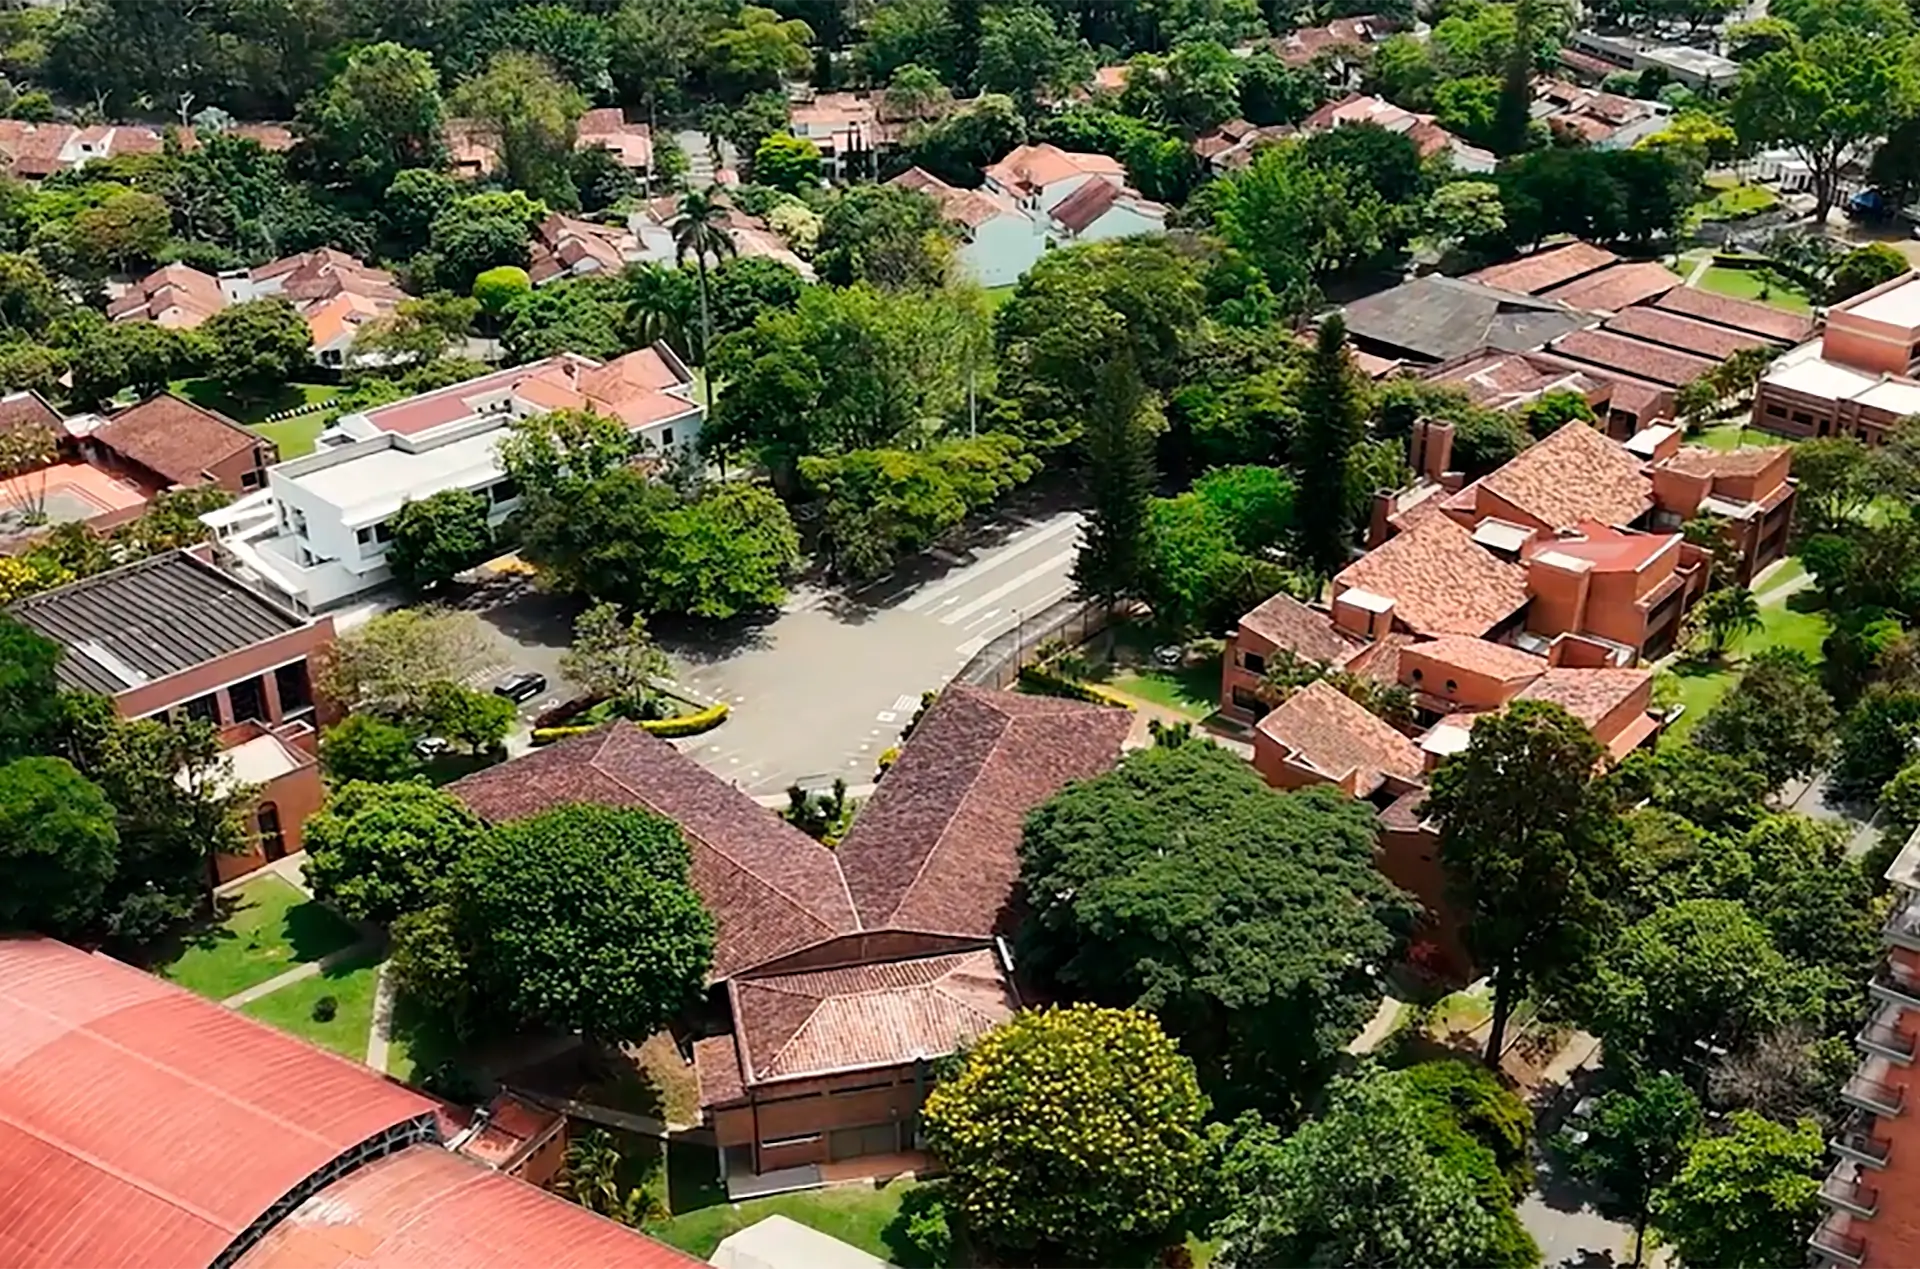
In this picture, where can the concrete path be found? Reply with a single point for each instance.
(294, 975)
(289, 868)
(1700, 267)
(1378, 1027)
(380, 1038)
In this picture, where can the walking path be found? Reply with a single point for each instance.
(296, 974)
(380, 1037)
(1704, 263)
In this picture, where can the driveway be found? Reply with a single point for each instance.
(822, 688)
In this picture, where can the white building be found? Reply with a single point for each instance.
(318, 532)
(1037, 198)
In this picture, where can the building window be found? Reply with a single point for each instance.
(1418, 674)
(251, 479)
(505, 491)
(266, 819)
(296, 690)
(364, 535)
(666, 437)
(1775, 410)
(204, 709)
(1803, 418)
(249, 700)
(383, 532)
(1253, 662)
(1248, 700)
(1452, 687)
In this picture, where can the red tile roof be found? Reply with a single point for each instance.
(1031, 168)
(1307, 632)
(141, 1125)
(772, 889)
(1616, 287)
(426, 1208)
(968, 207)
(1757, 319)
(1576, 474)
(1633, 356)
(1749, 460)
(1336, 735)
(937, 848)
(28, 409)
(1703, 339)
(175, 438)
(1478, 656)
(1078, 210)
(792, 1026)
(1548, 267)
(1440, 579)
(1588, 694)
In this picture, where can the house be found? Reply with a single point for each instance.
(1004, 233)
(1696, 68)
(1603, 120)
(318, 533)
(1428, 137)
(652, 228)
(168, 442)
(845, 127)
(566, 247)
(143, 1125)
(1503, 380)
(172, 635)
(336, 293)
(1232, 145)
(34, 151)
(1431, 319)
(841, 973)
(1856, 376)
(1343, 41)
(606, 128)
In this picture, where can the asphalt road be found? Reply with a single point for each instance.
(823, 688)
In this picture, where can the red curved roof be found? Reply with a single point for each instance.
(425, 1208)
(141, 1125)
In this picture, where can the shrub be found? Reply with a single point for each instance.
(1044, 681)
(325, 1008)
(665, 728)
(921, 1234)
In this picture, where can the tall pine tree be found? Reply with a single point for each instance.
(1118, 440)
(1330, 426)
(1512, 114)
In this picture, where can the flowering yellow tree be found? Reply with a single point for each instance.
(1072, 1135)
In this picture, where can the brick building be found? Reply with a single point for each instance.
(841, 974)
(173, 635)
(1856, 377)
(166, 442)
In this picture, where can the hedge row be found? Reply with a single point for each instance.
(666, 728)
(1050, 682)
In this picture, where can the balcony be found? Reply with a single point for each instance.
(1881, 1038)
(1844, 1190)
(1856, 1143)
(1870, 1091)
(1832, 1242)
(1903, 926)
(1895, 984)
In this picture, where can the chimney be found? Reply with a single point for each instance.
(1362, 612)
(1431, 450)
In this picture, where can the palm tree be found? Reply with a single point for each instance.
(657, 304)
(1728, 614)
(700, 230)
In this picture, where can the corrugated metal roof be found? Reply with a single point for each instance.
(143, 1126)
(162, 616)
(425, 1208)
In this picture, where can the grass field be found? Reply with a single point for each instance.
(266, 928)
(855, 1214)
(213, 395)
(295, 436)
(1732, 200)
(1699, 685)
(351, 983)
(1756, 284)
(1193, 690)
(998, 295)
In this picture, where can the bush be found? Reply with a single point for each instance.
(1044, 681)
(666, 728)
(922, 1233)
(325, 1008)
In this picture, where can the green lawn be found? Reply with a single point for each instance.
(1732, 200)
(1193, 690)
(295, 436)
(1756, 284)
(351, 983)
(213, 395)
(1789, 570)
(263, 929)
(1699, 685)
(998, 295)
(856, 1214)
(1736, 434)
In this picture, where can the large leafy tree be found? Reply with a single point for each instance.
(30, 705)
(1777, 719)
(1247, 920)
(530, 116)
(614, 658)
(1747, 1198)
(578, 919)
(1633, 1142)
(377, 851)
(1525, 840)
(438, 537)
(883, 234)
(1331, 414)
(258, 346)
(363, 748)
(1374, 1180)
(1026, 56)
(757, 51)
(1072, 1135)
(380, 115)
(383, 664)
(58, 847)
(561, 452)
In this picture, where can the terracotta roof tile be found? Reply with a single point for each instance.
(1545, 268)
(772, 889)
(1635, 357)
(1703, 339)
(174, 438)
(1308, 633)
(1440, 580)
(1616, 287)
(716, 1064)
(1078, 210)
(1746, 315)
(1576, 474)
(1030, 168)
(1698, 460)
(937, 848)
(1588, 694)
(1478, 656)
(1336, 735)
(28, 409)
(795, 1025)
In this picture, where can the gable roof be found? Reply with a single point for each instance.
(142, 1125)
(28, 408)
(1085, 205)
(1028, 169)
(1689, 335)
(1479, 656)
(969, 207)
(1746, 315)
(1440, 579)
(1336, 735)
(1617, 286)
(1548, 267)
(1576, 474)
(1636, 357)
(1588, 694)
(771, 888)
(1307, 632)
(1438, 317)
(937, 849)
(791, 1026)
(175, 438)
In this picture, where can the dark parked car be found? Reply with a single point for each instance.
(522, 687)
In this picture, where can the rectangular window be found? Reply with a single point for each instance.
(251, 479)
(666, 437)
(1253, 662)
(364, 535)
(382, 532)
(202, 708)
(1776, 410)
(505, 491)
(296, 690)
(249, 700)
(1803, 418)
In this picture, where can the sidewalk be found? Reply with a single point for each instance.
(309, 970)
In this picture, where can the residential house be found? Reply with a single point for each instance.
(318, 532)
(842, 973)
(1231, 146)
(34, 151)
(1341, 43)
(1003, 234)
(335, 292)
(1868, 1224)
(174, 636)
(1427, 136)
(1605, 121)
(1696, 68)
(606, 128)
(168, 442)
(566, 247)
(1856, 376)
(652, 228)
(143, 1125)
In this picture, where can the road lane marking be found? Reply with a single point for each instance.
(969, 573)
(1049, 565)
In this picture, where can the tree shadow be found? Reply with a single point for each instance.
(314, 931)
(693, 1177)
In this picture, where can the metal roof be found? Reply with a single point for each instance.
(130, 626)
(426, 1208)
(142, 1126)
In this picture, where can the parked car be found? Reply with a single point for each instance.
(431, 746)
(522, 687)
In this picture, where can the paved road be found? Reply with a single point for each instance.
(822, 689)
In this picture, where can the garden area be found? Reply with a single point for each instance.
(1729, 198)
(1130, 662)
(295, 435)
(258, 932)
(1698, 682)
(333, 1008)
